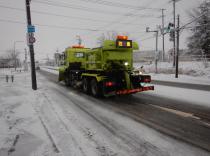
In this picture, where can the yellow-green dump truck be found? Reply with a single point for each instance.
(104, 71)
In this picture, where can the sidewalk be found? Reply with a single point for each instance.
(20, 124)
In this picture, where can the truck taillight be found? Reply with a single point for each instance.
(109, 84)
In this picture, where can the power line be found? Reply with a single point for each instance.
(69, 17)
(117, 21)
(120, 5)
(81, 8)
(60, 27)
(45, 25)
(12, 21)
(183, 27)
(147, 38)
(193, 20)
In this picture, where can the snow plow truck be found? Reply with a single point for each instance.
(104, 71)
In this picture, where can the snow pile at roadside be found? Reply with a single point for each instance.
(181, 79)
(50, 69)
(196, 69)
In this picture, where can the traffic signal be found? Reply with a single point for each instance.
(170, 25)
(172, 35)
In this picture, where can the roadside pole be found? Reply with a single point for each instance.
(174, 13)
(156, 47)
(31, 40)
(156, 53)
(163, 35)
(177, 48)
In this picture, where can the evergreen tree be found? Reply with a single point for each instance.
(199, 42)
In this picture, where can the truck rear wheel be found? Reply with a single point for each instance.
(85, 85)
(94, 87)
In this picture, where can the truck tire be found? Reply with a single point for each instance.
(94, 87)
(85, 85)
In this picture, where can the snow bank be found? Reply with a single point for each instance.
(189, 72)
(181, 79)
(50, 69)
(197, 69)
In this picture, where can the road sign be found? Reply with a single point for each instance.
(31, 29)
(30, 38)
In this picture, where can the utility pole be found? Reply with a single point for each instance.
(156, 52)
(31, 47)
(177, 48)
(163, 35)
(156, 47)
(174, 12)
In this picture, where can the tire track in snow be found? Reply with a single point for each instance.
(62, 122)
(55, 147)
(140, 147)
(60, 138)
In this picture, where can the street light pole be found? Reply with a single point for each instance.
(15, 53)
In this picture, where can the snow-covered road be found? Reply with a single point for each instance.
(55, 120)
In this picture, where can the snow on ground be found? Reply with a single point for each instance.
(189, 72)
(50, 69)
(181, 79)
(198, 97)
(20, 125)
(49, 124)
(120, 135)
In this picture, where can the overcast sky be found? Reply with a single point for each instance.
(58, 22)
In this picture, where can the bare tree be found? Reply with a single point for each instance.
(108, 36)
(13, 56)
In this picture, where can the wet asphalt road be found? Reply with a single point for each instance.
(184, 121)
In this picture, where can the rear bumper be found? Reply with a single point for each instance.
(131, 91)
